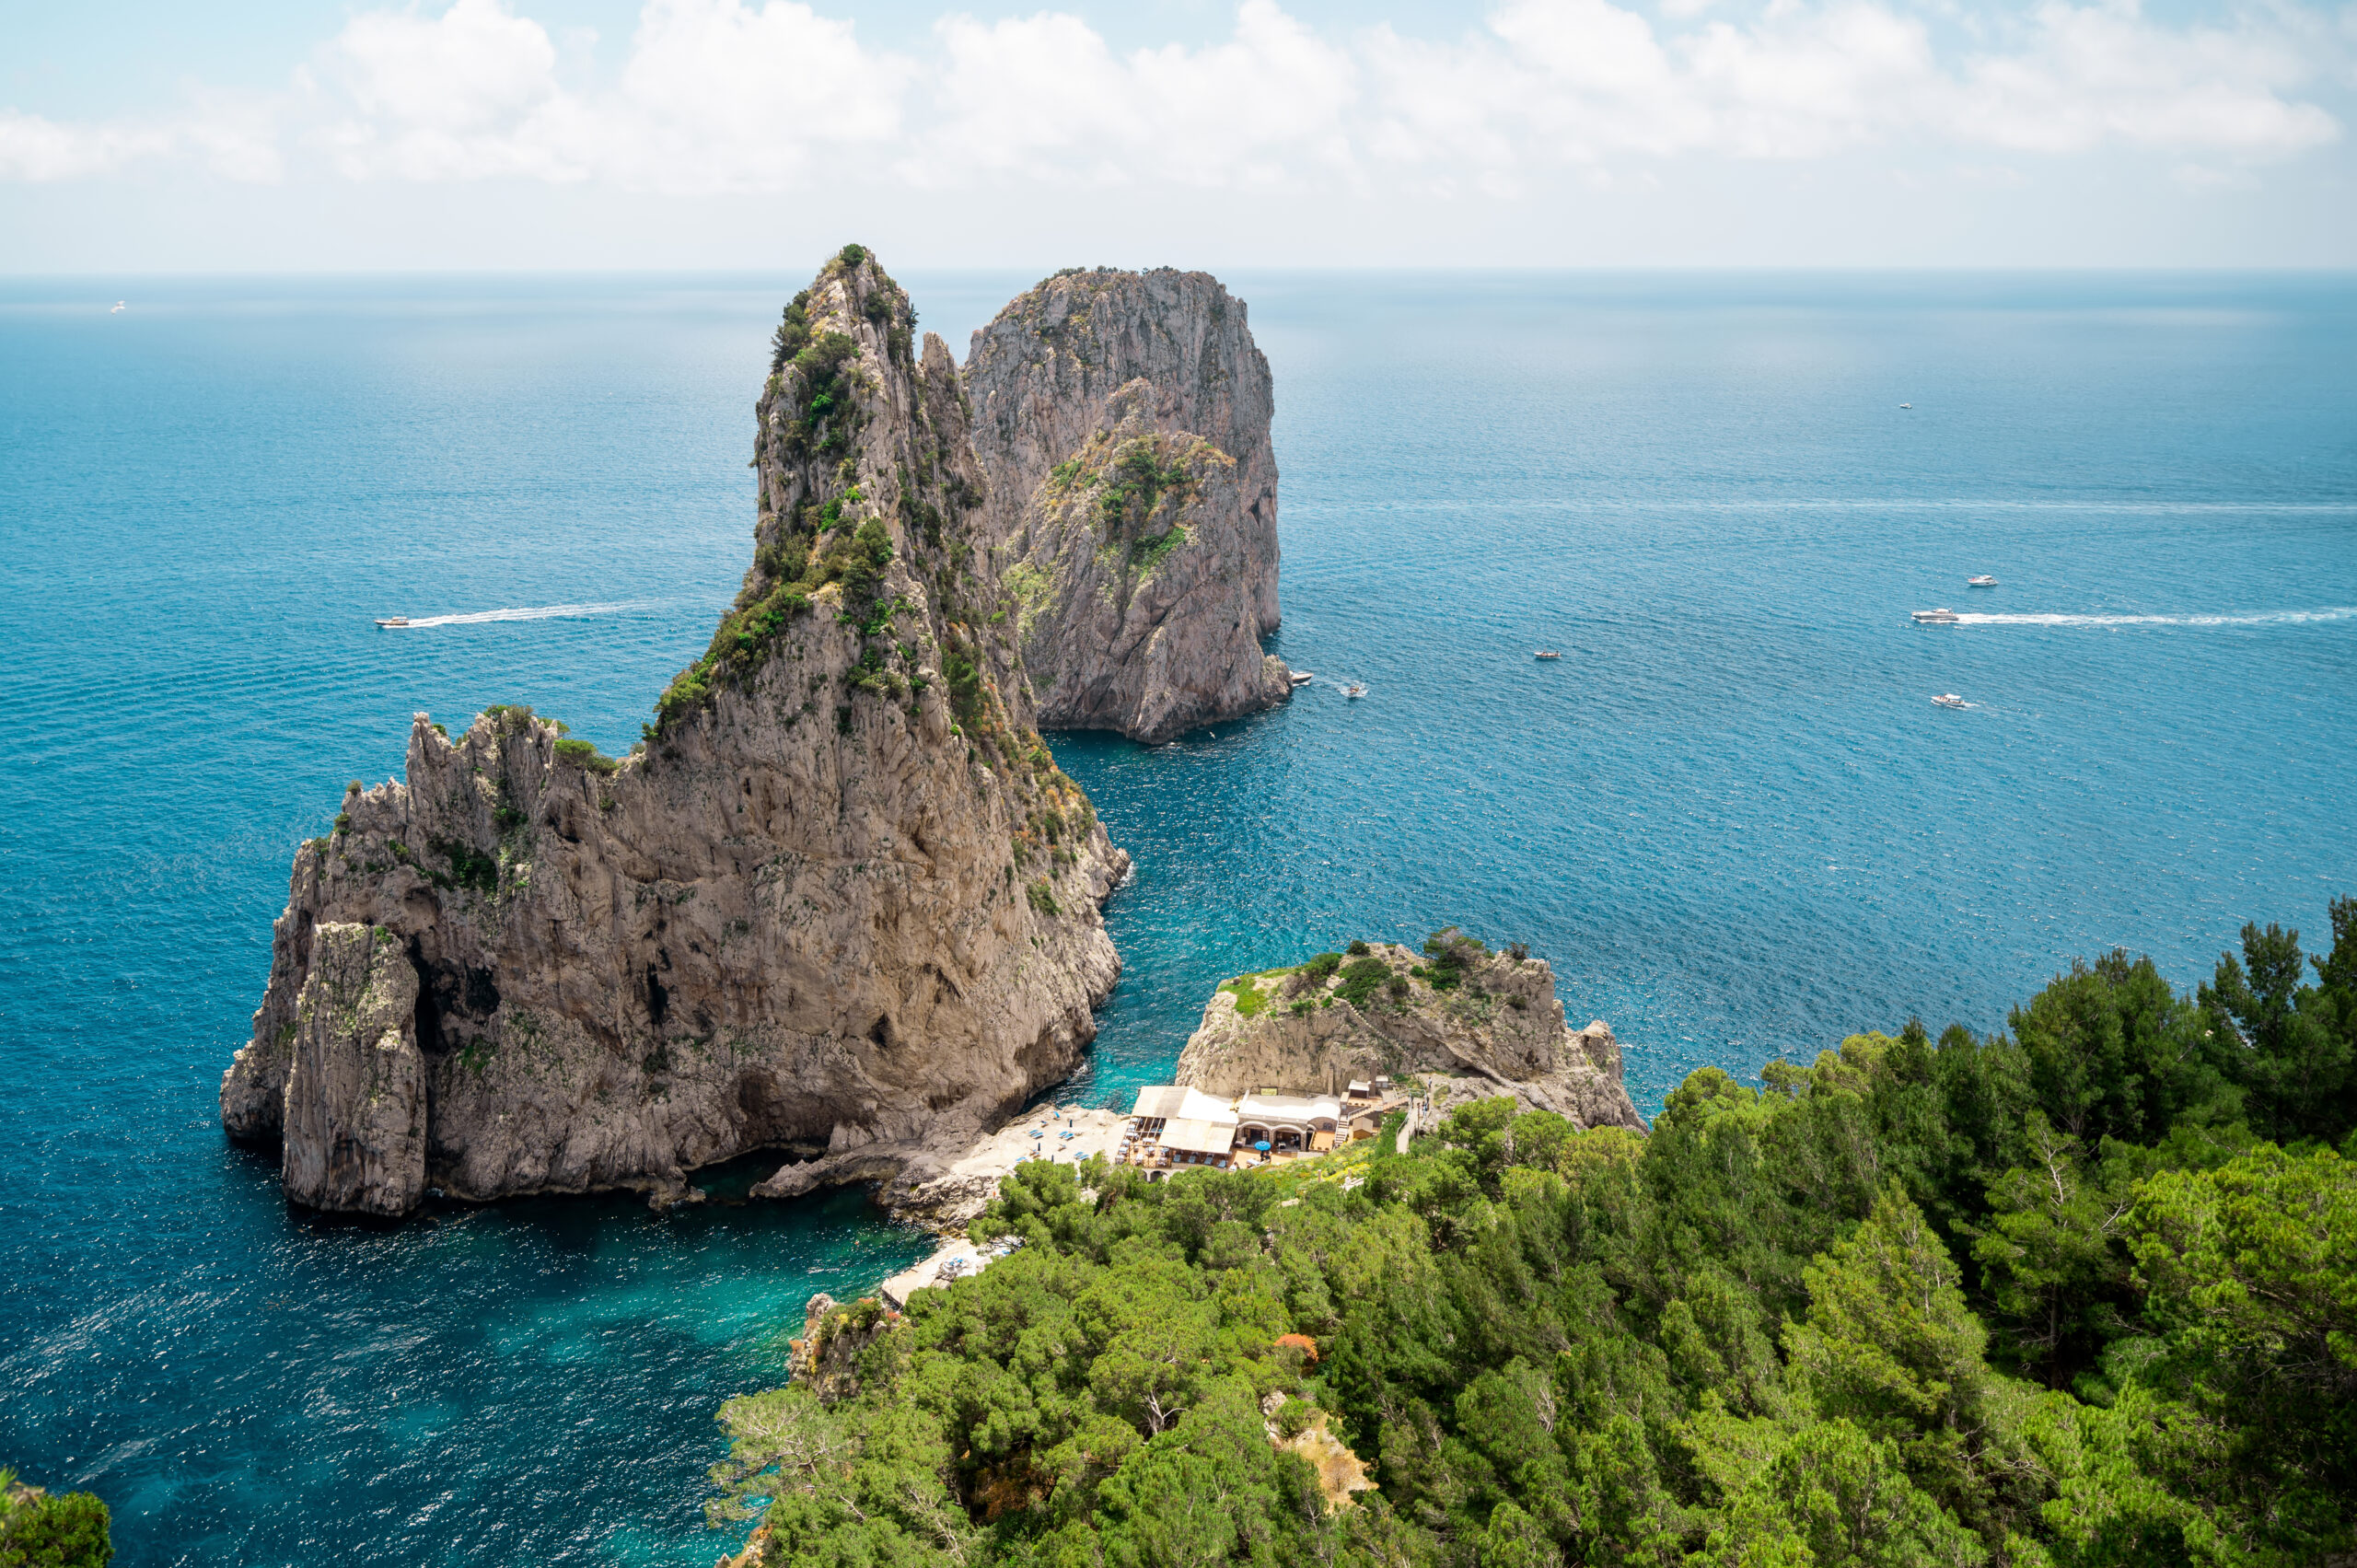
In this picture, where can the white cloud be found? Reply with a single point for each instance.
(469, 94)
(233, 138)
(1583, 81)
(1804, 83)
(33, 148)
(738, 96)
(720, 97)
(1044, 96)
(714, 96)
(2102, 73)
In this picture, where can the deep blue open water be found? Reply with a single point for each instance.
(1729, 814)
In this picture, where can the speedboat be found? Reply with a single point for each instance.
(393, 620)
(1950, 700)
(1546, 653)
(1907, 405)
(1980, 582)
(1941, 616)
(1303, 678)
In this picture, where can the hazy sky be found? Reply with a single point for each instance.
(148, 135)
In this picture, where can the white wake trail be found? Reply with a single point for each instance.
(2273, 618)
(539, 612)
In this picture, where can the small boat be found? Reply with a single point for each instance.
(1983, 581)
(1303, 678)
(1941, 616)
(1907, 405)
(1353, 692)
(393, 620)
(1546, 653)
(1950, 700)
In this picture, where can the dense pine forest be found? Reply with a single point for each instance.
(2083, 1292)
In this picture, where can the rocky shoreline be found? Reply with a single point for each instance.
(1459, 1021)
(916, 1181)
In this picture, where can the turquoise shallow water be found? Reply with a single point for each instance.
(1729, 814)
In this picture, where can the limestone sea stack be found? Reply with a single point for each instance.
(1487, 1023)
(842, 897)
(1123, 422)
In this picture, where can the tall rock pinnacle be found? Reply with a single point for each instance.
(1122, 421)
(842, 898)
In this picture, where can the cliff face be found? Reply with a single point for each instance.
(356, 1089)
(1488, 1019)
(843, 899)
(1123, 422)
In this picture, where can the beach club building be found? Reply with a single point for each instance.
(1184, 1126)
(1172, 1128)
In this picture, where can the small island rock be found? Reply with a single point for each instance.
(1487, 1021)
(1122, 421)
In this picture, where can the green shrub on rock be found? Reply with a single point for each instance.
(585, 755)
(39, 1529)
(1361, 979)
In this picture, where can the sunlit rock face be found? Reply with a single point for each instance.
(1123, 422)
(1493, 1024)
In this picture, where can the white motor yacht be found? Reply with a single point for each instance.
(1983, 581)
(1950, 700)
(1941, 616)
(393, 620)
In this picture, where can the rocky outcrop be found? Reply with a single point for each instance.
(929, 1185)
(355, 1083)
(825, 1360)
(1459, 1011)
(1123, 422)
(841, 898)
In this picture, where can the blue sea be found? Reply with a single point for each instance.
(1729, 814)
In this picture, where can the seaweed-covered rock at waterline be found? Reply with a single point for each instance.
(841, 901)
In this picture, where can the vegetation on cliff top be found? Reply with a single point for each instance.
(834, 534)
(1364, 979)
(2084, 1293)
(40, 1530)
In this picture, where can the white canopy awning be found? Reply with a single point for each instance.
(1197, 1137)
